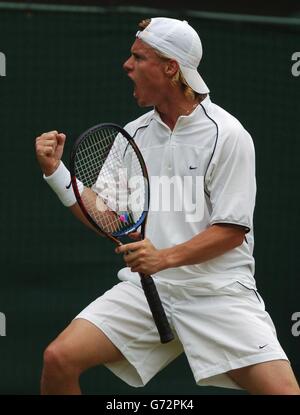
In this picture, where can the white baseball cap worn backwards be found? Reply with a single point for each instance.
(176, 39)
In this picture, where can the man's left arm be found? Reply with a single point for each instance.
(143, 257)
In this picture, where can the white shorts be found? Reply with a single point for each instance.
(218, 333)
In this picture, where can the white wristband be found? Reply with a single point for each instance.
(60, 182)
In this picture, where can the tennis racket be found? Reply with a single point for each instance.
(116, 195)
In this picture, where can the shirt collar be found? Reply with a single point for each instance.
(184, 119)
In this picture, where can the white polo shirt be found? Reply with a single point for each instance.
(209, 160)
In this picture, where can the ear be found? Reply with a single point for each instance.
(171, 68)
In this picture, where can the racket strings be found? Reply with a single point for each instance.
(115, 187)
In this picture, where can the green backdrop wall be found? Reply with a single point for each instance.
(64, 71)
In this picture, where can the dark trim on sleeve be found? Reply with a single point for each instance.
(247, 229)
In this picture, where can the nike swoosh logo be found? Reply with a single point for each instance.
(261, 347)
(69, 185)
(193, 168)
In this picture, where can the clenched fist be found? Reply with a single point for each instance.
(49, 149)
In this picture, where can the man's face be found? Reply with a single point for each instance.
(146, 70)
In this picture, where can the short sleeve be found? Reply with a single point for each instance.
(231, 181)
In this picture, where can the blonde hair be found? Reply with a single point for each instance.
(178, 78)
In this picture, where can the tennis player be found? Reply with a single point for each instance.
(202, 261)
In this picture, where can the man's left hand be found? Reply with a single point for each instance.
(142, 257)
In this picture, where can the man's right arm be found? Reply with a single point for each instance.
(49, 150)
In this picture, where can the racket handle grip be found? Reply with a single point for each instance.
(157, 310)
